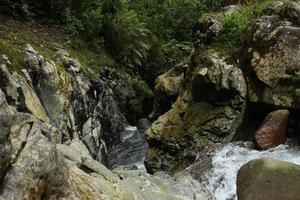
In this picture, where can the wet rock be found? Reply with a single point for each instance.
(273, 130)
(131, 150)
(267, 178)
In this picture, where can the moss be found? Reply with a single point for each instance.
(15, 35)
(141, 106)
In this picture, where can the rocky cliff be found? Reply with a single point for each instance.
(59, 126)
(221, 95)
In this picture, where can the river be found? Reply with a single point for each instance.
(220, 181)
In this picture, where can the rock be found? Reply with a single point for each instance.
(209, 26)
(31, 168)
(32, 59)
(210, 111)
(166, 138)
(93, 180)
(95, 111)
(21, 94)
(131, 150)
(274, 49)
(6, 118)
(91, 186)
(69, 153)
(273, 130)
(214, 124)
(143, 124)
(292, 12)
(220, 83)
(168, 86)
(267, 178)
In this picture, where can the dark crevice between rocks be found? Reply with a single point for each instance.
(85, 169)
(254, 116)
(22, 145)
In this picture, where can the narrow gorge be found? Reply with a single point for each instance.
(221, 123)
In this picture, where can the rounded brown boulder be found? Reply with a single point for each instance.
(272, 132)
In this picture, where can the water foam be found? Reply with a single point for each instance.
(221, 179)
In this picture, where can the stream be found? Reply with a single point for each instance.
(220, 181)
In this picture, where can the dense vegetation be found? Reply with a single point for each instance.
(145, 36)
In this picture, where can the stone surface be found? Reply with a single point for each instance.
(93, 110)
(273, 130)
(210, 111)
(31, 167)
(219, 83)
(274, 48)
(267, 178)
(21, 94)
(91, 180)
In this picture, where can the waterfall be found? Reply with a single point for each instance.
(221, 179)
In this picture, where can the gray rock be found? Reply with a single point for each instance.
(275, 57)
(220, 83)
(31, 167)
(6, 118)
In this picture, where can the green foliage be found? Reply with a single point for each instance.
(127, 37)
(45, 11)
(234, 25)
(145, 36)
(85, 17)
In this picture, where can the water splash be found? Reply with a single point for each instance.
(221, 179)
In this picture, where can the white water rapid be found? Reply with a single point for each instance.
(220, 181)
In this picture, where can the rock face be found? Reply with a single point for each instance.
(31, 167)
(273, 130)
(209, 112)
(274, 47)
(93, 110)
(266, 178)
(168, 87)
(89, 179)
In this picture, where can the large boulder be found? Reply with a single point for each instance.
(209, 110)
(273, 130)
(267, 178)
(274, 47)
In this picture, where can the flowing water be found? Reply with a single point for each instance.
(220, 181)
